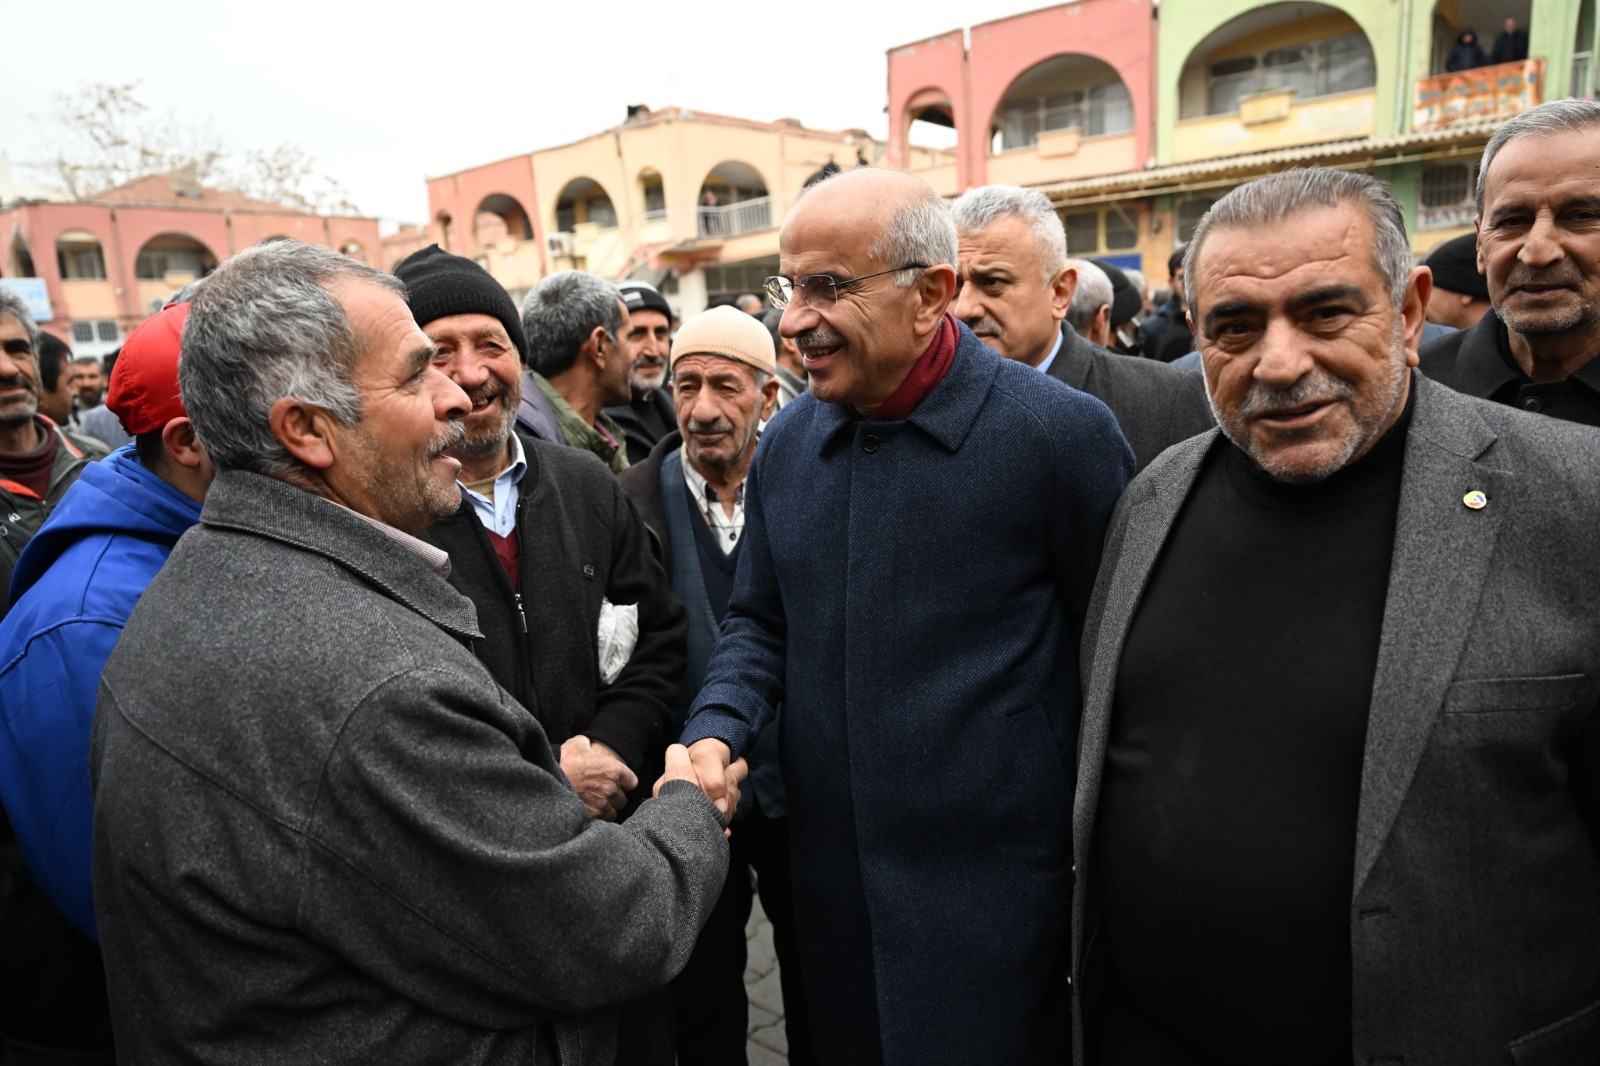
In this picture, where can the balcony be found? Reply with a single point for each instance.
(1481, 94)
(1275, 119)
(732, 220)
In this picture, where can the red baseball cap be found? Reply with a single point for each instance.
(144, 384)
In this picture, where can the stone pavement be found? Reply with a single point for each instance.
(767, 1045)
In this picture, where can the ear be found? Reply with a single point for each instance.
(1477, 249)
(1413, 310)
(594, 347)
(1062, 287)
(1100, 327)
(769, 398)
(182, 446)
(306, 432)
(936, 287)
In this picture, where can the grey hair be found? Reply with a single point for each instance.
(920, 231)
(1141, 285)
(561, 311)
(1278, 196)
(265, 326)
(1093, 292)
(1557, 116)
(977, 209)
(15, 306)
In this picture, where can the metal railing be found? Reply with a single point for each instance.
(731, 220)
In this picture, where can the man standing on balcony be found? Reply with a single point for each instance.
(1538, 203)
(1512, 44)
(579, 360)
(649, 414)
(1014, 290)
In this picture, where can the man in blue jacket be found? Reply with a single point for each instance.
(74, 587)
(922, 530)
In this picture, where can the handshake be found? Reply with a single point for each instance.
(711, 766)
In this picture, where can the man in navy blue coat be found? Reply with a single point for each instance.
(922, 530)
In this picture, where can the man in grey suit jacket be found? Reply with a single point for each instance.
(1014, 291)
(1339, 789)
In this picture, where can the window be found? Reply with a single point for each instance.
(1112, 229)
(1083, 232)
(81, 261)
(655, 202)
(1339, 65)
(1447, 195)
(601, 212)
(1097, 111)
(83, 333)
(1190, 211)
(108, 331)
(154, 264)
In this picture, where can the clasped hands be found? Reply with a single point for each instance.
(603, 781)
(710, 765)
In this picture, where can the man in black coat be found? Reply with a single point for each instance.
(648, 415)
(690, 490)
(1539, 246)
(1512, 44)
(578, 621)
(1015, 289)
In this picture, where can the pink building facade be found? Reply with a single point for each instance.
(106, 263)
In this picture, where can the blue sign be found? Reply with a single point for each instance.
(34, 293)
(1135, 261)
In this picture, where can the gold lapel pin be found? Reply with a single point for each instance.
(1475, 500)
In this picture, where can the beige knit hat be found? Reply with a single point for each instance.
(728, 332)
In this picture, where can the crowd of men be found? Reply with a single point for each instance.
(430, 679)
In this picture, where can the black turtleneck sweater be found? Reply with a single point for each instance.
(1225, 844)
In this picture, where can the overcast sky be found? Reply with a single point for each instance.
(386, 95)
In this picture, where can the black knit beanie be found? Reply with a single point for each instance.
(1455, 267)
(1126, 302)
(439, 285)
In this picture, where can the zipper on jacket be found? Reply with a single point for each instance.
(521, 616)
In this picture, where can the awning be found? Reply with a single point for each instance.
(1177, 177)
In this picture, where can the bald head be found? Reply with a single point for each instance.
(889, 244)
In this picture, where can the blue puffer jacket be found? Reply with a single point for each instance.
(74, 587)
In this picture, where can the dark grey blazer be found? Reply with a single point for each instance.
(1157, 405)
(1475, 911)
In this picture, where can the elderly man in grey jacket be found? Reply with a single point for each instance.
(323, 833)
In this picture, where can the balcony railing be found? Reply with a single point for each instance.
(1582, 84)
(731, 220)
(1496, 92)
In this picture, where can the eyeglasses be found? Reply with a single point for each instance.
(821, 290)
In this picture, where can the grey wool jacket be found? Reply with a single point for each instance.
(324, 834)
(1475, 907)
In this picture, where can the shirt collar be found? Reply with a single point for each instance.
(1044, 367)
(1489, 366)
(437, 559)
(701, 489)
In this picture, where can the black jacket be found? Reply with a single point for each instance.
(1477, 361)
(581, 540)
(1156, 405)
(644, 422)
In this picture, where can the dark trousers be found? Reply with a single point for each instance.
(709, 1001)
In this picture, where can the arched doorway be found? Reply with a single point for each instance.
(175, 258)
(1063, 92)
(584, 200)
(79, 256)
(1308, 50)
(734, 200)
(500, 216)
